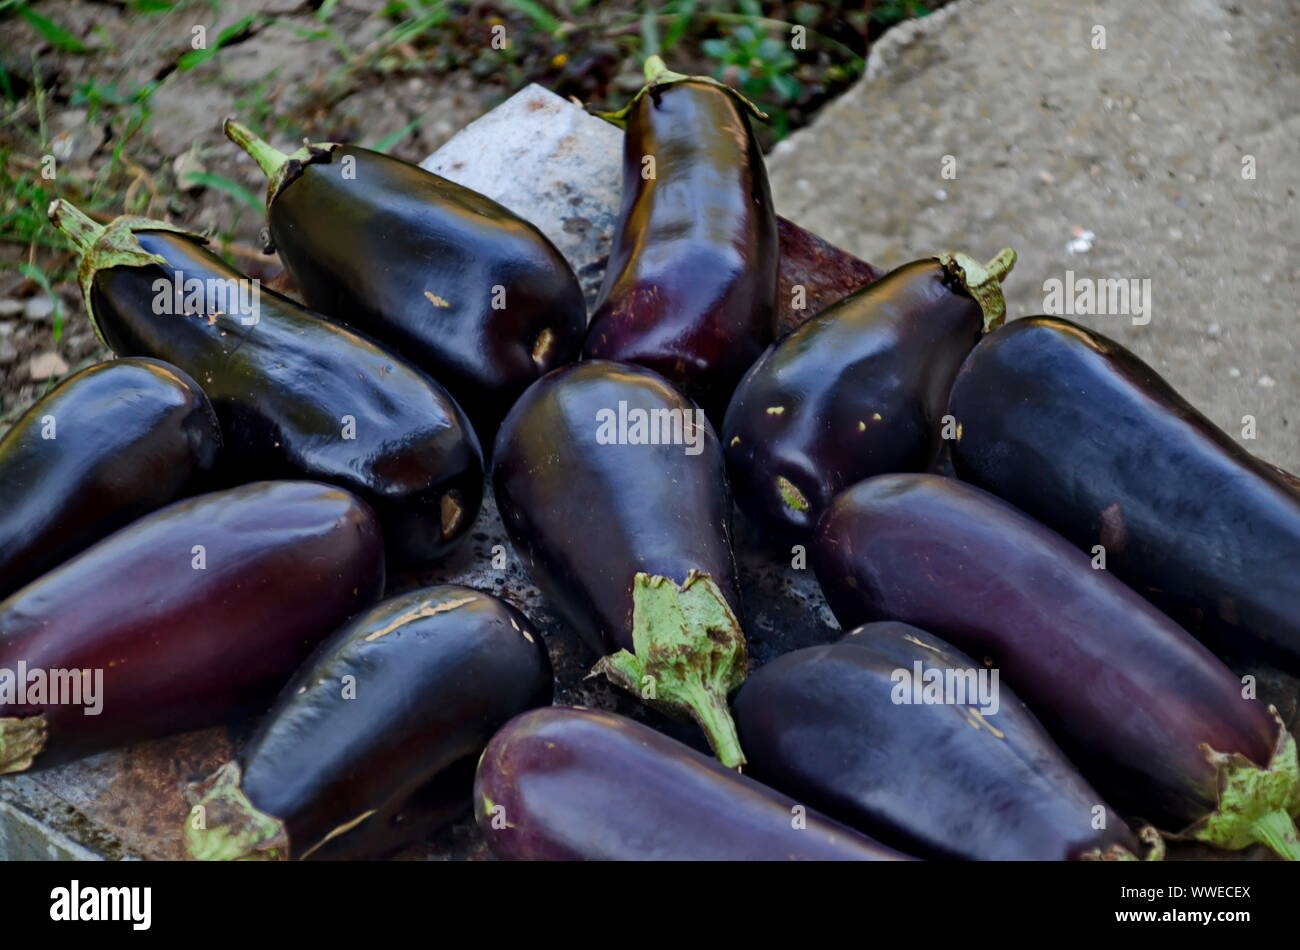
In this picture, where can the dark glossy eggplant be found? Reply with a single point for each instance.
(297, 395)
(107, 445)
(395, 699)
(1077, 431)
(461, 286)
(896, 733)
(190, 616)
(611, 486)
(564, 784)
(690, 288)
(406, 823)
(859, 390)
(1153, 719)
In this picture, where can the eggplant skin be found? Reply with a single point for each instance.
(690, 287)
(435, 672)
(183, 647)
(299, 396)
(1127, 693)
(587, 517)
(563, 784)
(859, 390)
(127, 437)
(1078, 432)
(946, 781)
(444, 799)
(415, 260)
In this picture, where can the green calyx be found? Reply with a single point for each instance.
(21, 741)
(281, 170)
(1256, 805)
(1117, 852)
(224, 825)
(658, 75)
(983, 282)
(102, 246)
(690, 654)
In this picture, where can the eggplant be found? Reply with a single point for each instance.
(611, 487)
(464, 288)
(1078, 432)
(859, 390)
(1154, 720)
(107, 445)
(398, 697)
(966, 774)
(564, 784)
(191, 616)
(405, 823)
(297, 394)
(690, 288)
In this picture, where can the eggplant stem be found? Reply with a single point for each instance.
(78, 227)
(231, 827)
(690, 655)
(657, 71)
(1255, 804)
(281, 170)
(983, 282)
(104, 246)
(709, 709)
(1278, 831)
(658, 74)
(21, 741)
(268, 158)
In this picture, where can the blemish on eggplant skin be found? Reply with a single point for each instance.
(451, 514)
(1113, 534)
(925, 646)
(426, 609)
(542, 346)
(775, 410)
(436, 300)
(997, 733)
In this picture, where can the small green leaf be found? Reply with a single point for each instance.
(392, 138)
(56, 34)
(197, 56)
(541, 16)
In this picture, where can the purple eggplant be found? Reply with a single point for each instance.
(405, 823)
(859, 390)
(107, 445)
(297, 395)
(399, 697)
(564, 784)
(1078, 432)
(191, 616)
(1150, 715)
(464, 288)
(611, 486)
(690, 288)
(864, 731)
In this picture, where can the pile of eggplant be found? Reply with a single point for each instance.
(1040, 551)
